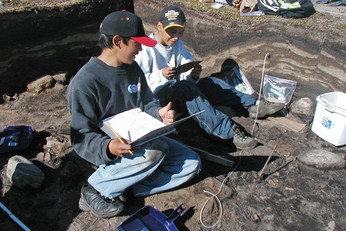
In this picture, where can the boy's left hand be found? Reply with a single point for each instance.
(167, 114)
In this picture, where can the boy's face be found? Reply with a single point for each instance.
(128, 51)
(171, 35)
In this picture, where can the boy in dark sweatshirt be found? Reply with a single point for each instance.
(105, 86)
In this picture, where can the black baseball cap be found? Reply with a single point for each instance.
(126, 24)
(172, 16)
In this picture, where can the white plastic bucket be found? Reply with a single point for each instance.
(330, 118)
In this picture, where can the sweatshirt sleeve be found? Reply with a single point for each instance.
(86, 137)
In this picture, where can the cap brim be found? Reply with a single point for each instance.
(173, 25)
(145, 41)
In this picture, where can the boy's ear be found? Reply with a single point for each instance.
(116, 40)
(159, 26)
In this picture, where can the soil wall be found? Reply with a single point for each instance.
(313, 58)
(39, 42)
(48, 41)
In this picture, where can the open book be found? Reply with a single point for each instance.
(138, 127)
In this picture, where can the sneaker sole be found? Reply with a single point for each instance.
(247, 147)
(252, 114)
(84, 206)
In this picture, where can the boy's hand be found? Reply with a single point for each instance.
(168, 72)
(117, 148)
(167, 115)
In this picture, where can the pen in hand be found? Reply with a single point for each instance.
(119, 138)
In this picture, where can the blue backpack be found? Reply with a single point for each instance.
(15, 138)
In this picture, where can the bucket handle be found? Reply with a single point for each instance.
(328, 106)
(175, 214)
(333, 108)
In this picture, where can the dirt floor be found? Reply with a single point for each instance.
(289, 196)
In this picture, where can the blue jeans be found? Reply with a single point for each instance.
(161, 165)
(189, 98)
(186, 98)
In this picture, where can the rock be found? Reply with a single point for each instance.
(22, 172)
(41, 84)
(57, 145)
(61, 78)
(40, 156)
(55, 149)
(303, 106)
(322, 160)
(7, 97)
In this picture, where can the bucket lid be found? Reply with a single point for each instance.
(148, 218)
(334, 102)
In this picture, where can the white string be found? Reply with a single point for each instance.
(259, 94)
(205, 203)
(215, 195)
(217, 199)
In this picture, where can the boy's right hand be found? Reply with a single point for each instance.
(168, 72)
(117, 148)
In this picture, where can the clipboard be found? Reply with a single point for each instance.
(185, 67)
(141, 126)
(160, 132)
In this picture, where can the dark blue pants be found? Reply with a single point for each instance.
(189, 98)
(218, 92)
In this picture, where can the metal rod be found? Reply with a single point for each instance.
(213, 158)
(14, 217)
(265, 165)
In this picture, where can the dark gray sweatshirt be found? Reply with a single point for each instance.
(99, 91)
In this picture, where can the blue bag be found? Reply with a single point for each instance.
(15, 138)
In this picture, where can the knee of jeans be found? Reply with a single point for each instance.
(197, 166)
(156, 150)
